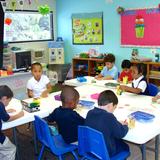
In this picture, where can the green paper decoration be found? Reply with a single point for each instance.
(44, 9)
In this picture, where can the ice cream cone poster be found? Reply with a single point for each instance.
(139, 26)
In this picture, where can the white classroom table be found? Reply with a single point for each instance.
(128, 103)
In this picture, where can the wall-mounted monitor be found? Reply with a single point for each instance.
(28, 26)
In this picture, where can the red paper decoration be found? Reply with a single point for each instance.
(8, 21)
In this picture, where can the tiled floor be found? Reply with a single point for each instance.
(27, 147)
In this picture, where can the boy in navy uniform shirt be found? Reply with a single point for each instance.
(67, 119)
(103, 120)
(7, 149)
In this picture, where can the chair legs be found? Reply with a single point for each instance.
(60, 157)
(75, 155)
(41, 152)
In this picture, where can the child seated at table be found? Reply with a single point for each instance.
(102, 119)
(109, 71)
(139, 83)
(7, 149)
(67, 119)
(126, 70)
(39, 85)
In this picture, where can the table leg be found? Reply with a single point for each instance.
(157, 147)
(143, 151)
(35, 139)
(16, 143)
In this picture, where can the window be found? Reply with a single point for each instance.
(28, 26)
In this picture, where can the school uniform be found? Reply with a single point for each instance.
(7, 149)
(141, 83)
(38, 86)
(68, 122)
(113, 72)
(112, 130)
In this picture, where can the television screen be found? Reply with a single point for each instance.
(27, 26)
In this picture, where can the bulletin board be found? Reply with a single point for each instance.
(141, 27)
(87, 28)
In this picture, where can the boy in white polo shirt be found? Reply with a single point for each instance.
(39, 85)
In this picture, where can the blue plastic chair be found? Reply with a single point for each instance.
(55, 143)
(153, 89)
(91, 145)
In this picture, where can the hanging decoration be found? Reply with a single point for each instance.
(8, 21)
(13, 4)
(36, 1)
(21, 4)
(120, 10)
(29, 1)
(4, 5)
(44, 9)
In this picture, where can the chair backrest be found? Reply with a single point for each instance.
(153, 89)
(91, 142)
(45, 137)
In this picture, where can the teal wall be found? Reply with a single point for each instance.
(111, 23)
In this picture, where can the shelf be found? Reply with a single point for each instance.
(154, 77)
(89, 65)
(83, 71)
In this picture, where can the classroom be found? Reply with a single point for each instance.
(79, 79)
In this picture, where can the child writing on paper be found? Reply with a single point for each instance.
(102, 119)
(67, 119)
(109, 71)
(139, 83)
(39, 85)
(126, 70)
(7, 149)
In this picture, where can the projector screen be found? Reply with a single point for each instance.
(28, 26)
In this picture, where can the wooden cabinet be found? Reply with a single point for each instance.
(86, 66)
(153, 71)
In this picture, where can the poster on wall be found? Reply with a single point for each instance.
(87, 28)
(140, 27)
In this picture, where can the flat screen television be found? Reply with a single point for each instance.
(1, 35)
(28, 26)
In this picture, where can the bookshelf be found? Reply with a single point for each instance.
(86, 66)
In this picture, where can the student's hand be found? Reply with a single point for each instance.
(21, 114)
(154, 99)
(44, 94)
(99, 78)
(124, 122)
(11, 110)
(122, 87)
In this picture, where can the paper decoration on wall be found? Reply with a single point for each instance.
(44, 9)
(21, 4)
(120, 10)
(29, 2)
(13, 4)
(139, 26)
(4, 5)
(8, 21)
(87, 28)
